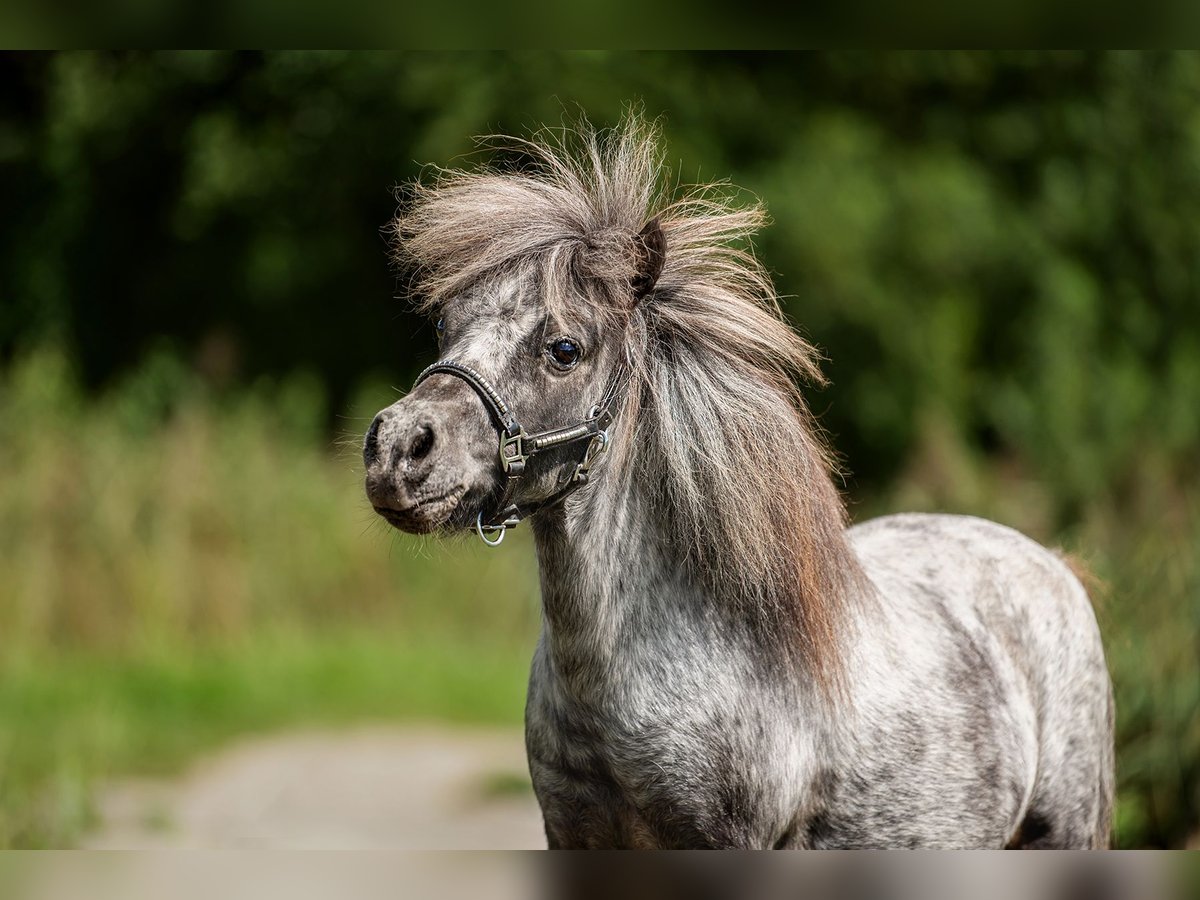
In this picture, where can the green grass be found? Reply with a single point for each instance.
(70, 722)
(179, 568)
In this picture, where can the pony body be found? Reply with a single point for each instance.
(723, 663)
(977, 710)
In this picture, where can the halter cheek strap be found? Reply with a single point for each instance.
(517, 446)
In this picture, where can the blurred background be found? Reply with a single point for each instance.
(998, 253)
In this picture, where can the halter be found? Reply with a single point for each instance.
(517, 446)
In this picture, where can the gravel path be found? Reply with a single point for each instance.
(396, 788)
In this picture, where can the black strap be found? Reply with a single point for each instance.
(516, 446)
(496, 406)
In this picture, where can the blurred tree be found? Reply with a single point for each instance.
(999, 242)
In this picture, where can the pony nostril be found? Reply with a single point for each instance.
(371, 442)
(422, 443)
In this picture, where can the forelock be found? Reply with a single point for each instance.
(568, 215)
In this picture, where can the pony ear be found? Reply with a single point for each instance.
(650, 253)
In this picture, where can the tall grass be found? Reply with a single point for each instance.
(178, 567)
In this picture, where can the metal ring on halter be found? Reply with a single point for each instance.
(503, 529)
(601, 445)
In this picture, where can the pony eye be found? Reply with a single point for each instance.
(440, 325)
(565, 352)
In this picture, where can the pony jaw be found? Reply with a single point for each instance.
(424, 514)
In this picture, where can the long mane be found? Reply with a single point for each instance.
(724, 444)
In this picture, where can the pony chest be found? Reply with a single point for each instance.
(696, 779)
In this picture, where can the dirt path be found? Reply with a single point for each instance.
(403, 788)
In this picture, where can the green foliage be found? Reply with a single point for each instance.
(174, 575)
(997, 252)
(1003, 240)
(1152, 623)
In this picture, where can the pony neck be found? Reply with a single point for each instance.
(622, 600)
(605, 569)
(615, 591)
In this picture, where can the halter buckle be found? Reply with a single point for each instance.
(512, 452)
(596, 446)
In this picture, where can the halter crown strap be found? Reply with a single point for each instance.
(516, 446)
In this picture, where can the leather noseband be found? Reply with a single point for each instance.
(517, 445)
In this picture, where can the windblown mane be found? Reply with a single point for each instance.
(720, 418)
